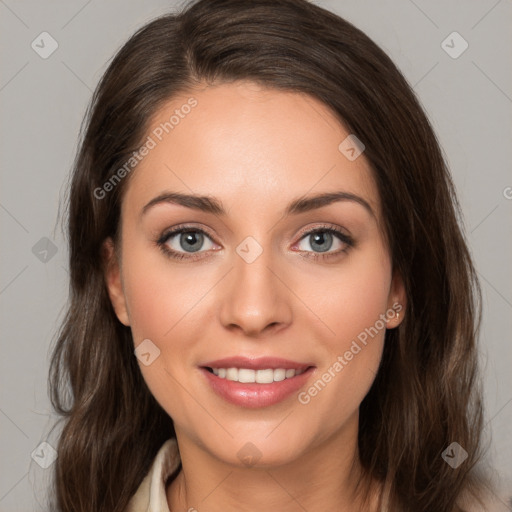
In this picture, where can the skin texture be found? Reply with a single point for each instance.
(256, 150)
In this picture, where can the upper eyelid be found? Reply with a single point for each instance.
(326, 227)
(168, 233)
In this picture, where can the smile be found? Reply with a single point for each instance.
(255, 382)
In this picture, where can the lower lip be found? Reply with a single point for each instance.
(253, 395)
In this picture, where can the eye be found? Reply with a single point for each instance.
(322, 239)
(183, 242)
(187, 242)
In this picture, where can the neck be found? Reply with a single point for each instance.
(323, 478)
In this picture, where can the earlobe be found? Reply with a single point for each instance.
(397, 301)
(112, 275)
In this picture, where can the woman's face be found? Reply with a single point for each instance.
(258, 274)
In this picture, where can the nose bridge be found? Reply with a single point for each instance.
(256, 298)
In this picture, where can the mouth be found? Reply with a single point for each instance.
(256, 383)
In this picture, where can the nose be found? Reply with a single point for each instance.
(256, 298)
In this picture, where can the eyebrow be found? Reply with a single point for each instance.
(212, 205)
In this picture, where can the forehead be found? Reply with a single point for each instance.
(251, 146)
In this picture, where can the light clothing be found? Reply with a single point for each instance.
(150, 496)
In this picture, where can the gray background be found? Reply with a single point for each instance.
(468, 99)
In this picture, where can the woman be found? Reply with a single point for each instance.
(272, 303)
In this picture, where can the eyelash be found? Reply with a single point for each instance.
(164, 238)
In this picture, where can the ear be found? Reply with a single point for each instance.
(397, 301)
(112, 274)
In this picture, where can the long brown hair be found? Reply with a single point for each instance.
(426, 394)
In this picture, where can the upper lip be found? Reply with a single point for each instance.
(258, 363)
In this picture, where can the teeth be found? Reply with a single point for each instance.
(247, 375)
(265, 376)
(232, 374)
(280, 374)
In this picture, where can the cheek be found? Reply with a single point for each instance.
(158, 294)
(161, 307)
(170, 307)
(350, 299)
(148, 299)
(353, 309)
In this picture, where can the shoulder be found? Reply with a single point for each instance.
(151, 494)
